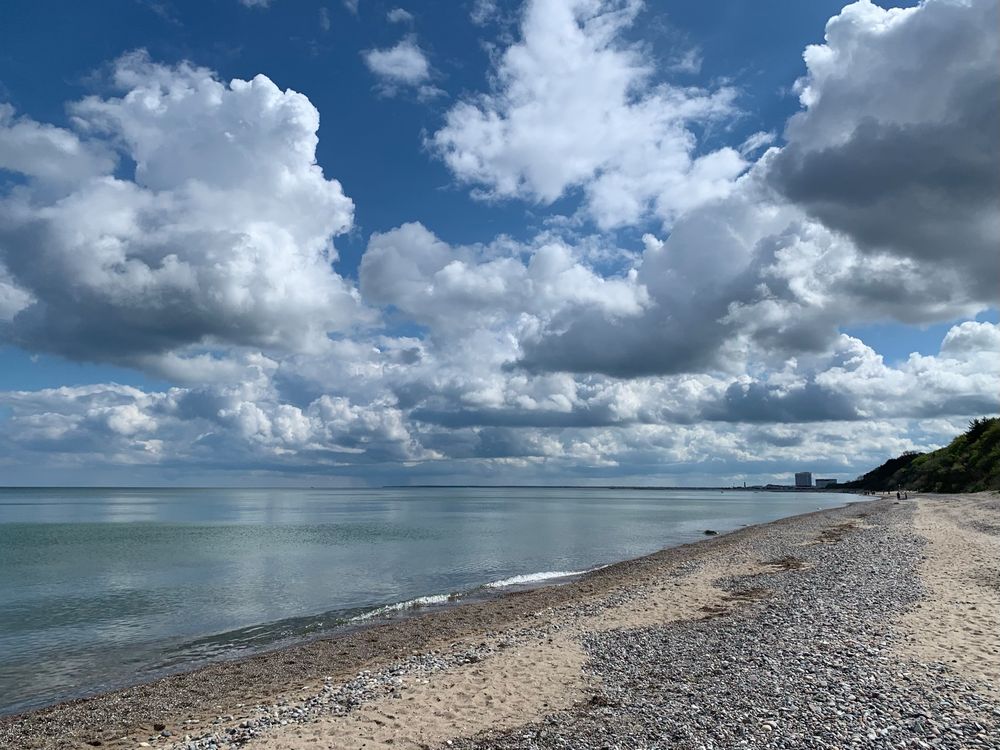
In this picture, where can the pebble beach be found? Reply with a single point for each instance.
(871, 626)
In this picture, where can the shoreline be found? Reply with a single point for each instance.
(364, 645)
(392, 612)
(579, 656)
(395, 612)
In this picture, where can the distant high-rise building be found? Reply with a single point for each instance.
(803, 479)
(821, 483)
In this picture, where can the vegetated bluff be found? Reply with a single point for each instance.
(971, 463)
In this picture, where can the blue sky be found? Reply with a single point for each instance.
(52, 52)
(688, 259)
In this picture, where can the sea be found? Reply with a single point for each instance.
(103, 588)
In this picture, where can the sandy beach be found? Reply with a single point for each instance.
(873, 625)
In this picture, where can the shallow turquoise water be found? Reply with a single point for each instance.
(102, 587)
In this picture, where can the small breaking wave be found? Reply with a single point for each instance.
(438, 599)
(532, 578)
(420, 601)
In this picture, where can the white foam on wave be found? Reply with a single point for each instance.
(533, 578)
(429, 601)
(420, 601)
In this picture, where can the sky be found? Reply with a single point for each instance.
(277, 242)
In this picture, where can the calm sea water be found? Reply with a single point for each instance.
(105, 587)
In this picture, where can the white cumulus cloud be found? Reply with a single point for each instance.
(896, 144)
(47, 152)
(222, 233)
(457, 287)
(573, 105)
(399, 15)
(881, 205)
(404, 65)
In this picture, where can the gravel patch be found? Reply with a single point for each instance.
(810, 666)
(338, 699)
